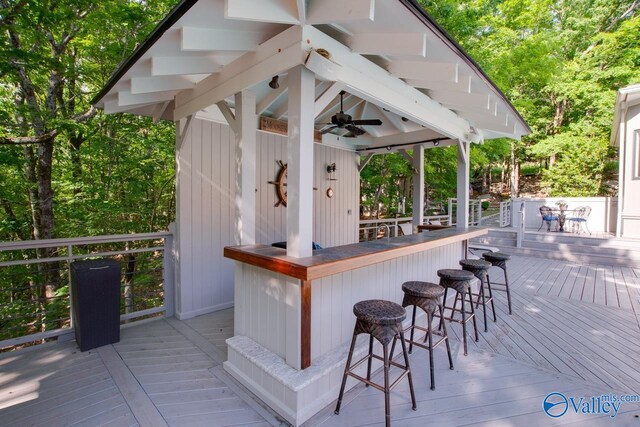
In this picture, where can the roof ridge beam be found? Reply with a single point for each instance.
(275, 56)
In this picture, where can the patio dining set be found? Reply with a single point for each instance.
(383, 320)
(577, 218)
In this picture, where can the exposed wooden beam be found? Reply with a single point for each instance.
(229, 115)
(159, 84)
(179, 65)
(159, 111)
(183, 128)
(377, 86)
(272, 96)
(112, 107)
(274, 56)
(403, 44)
(277, 11)
(395, 121)
(463, 84)
(126, 98)
(340, 11)
(364, 162)
(406, 138)
(301, 6)
(349, 103)
(418, 185)
(406, 155)
(425, 70)
(327, 96)
(210, 39)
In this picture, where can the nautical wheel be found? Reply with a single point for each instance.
(281, 184)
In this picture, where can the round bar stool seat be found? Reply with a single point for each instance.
(379, 312)
(460, 282)
(427, 296)
(499, 259)
(382, 320)
(480, 269)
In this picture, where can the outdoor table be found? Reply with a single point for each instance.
(562, 217)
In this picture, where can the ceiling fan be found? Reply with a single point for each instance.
(345, 121)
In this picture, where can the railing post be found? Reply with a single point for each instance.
(450, 210)
(168, 273)
(69, 260)
(521, 225)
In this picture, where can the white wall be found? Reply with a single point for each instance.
(630, 186)
(205, 208)
(602, 218)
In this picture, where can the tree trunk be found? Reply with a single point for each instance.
(514, 174)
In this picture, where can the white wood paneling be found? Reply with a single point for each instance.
(206, 209)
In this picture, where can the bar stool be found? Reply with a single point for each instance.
(382, 320)
(480, 269)
(427, 296)
(499, 259)
(459, 281)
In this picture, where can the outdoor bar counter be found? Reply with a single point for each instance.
(293, 317)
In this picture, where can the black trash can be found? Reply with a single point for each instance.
(95, 297)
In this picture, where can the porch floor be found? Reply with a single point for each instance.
(574, 329)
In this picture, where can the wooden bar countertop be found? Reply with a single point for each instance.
(338, 259)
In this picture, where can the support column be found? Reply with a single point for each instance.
(462, 204)
(300, 162)
(245, 130)
(418, 185)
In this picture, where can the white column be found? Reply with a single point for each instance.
(300, 162)
(418, 185)
(245, 129)
(462, 205)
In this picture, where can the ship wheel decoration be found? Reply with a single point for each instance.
(281, 184)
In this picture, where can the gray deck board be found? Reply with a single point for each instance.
(574, 328)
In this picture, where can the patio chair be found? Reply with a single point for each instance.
(580, 219)
(547, 216)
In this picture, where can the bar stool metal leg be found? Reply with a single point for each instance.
(446, 334)
(370, 359)
(346, 370)
(473, 313)
(387, 405)
(413, 323)
(506, 281)
(430, 335)
(493, 306)
(406, 363)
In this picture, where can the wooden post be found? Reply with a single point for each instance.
(300, 162)
(305, 324)
(245, 130)
(462, 202)
(418, 185)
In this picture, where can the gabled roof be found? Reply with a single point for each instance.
(627, 96)
(200, 39)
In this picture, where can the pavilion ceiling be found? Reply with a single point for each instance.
(209, 47)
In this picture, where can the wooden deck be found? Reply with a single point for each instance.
(574, 329)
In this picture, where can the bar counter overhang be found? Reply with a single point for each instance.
(294, 319)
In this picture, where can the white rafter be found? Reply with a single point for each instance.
(425, 70)
(327, 96)
(409, 44)
(159, 84)
(209, 39)
(373, 84)
(277, 11)
(272, 96)
(467, 100)
(272, 57)
(183, 65)
(340, 11)
(463, 85)
(126, 98)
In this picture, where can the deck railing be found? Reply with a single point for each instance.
(35, 282)
(372, 229)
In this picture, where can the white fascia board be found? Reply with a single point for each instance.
(112, 107)
(425, 70)
(275, 56)
(276, 11)
(403, 44)
(183, 65)
(340, 11)
(373, 84)
(159, 84)
(210, 39)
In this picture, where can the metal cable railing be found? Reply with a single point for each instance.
(35, 282)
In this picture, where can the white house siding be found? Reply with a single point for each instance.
(630, 202)
(205, 209)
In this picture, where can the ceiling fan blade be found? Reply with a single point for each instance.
(355, 130)
(372, 122)
(327, 130)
